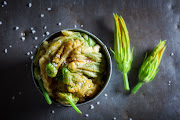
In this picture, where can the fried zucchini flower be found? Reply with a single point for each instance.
(149, 67)
(122, 52)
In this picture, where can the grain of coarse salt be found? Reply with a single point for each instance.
(80, 84)
(130, 118)
(23, 38)
(98, 103)
(55, 65)
(91, 106)
(33, 31)
(10, 46)
(75, 26)
(48, 9)
(29, 5)
(23, 34)
(13, 97)
(16, 28)
(31, 57)
(47, 33)
(5, 50)
(0, 22)
(42, 15)
(52, 111)
(82, 25)
(35, 38)
(45, 27)
(114, 118)
(36, 46)
(43, 35)
(31, 52)
(59, 24)
(58, 56)
(2, 5)
(105, 95)
(171, 54)
(86, 115)
(28, 53)
(4, 2)
(32, 28)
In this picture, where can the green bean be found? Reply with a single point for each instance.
(51, 70)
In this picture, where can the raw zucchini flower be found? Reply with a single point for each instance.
(149, 67)
(122, 52)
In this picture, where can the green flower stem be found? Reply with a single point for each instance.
(74, 106)
(136, 88)
(126, 83)
(48, 99)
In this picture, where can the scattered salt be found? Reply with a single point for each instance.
(86, 115)
(55, 65)
(130, 118)
(23, 38)
(82, 25)
(91, 106)
(169, 82)
(171, 54)
(59, 24)
(30, 5)
(23, 34)
(36, 38)
(10, 46)
(2, 5)
(31, 57)
(105, 95)
(42, 15)
(33, 31)
(0, 23)
(114, 118)
(43, 35)
(75, 26)
(28, 53)
(31, 52)
(16, 28)
(47, 33)
(5, 3)
(98, 103)
(58, 56)
(32, 28)
(13, 97)
(52, 111)
(45, 27)
(48, 9)
(80, 84)
(5, 50)
(36, 46)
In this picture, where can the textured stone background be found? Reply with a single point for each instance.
(147, 21)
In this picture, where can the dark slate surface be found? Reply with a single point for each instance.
(147, 21)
